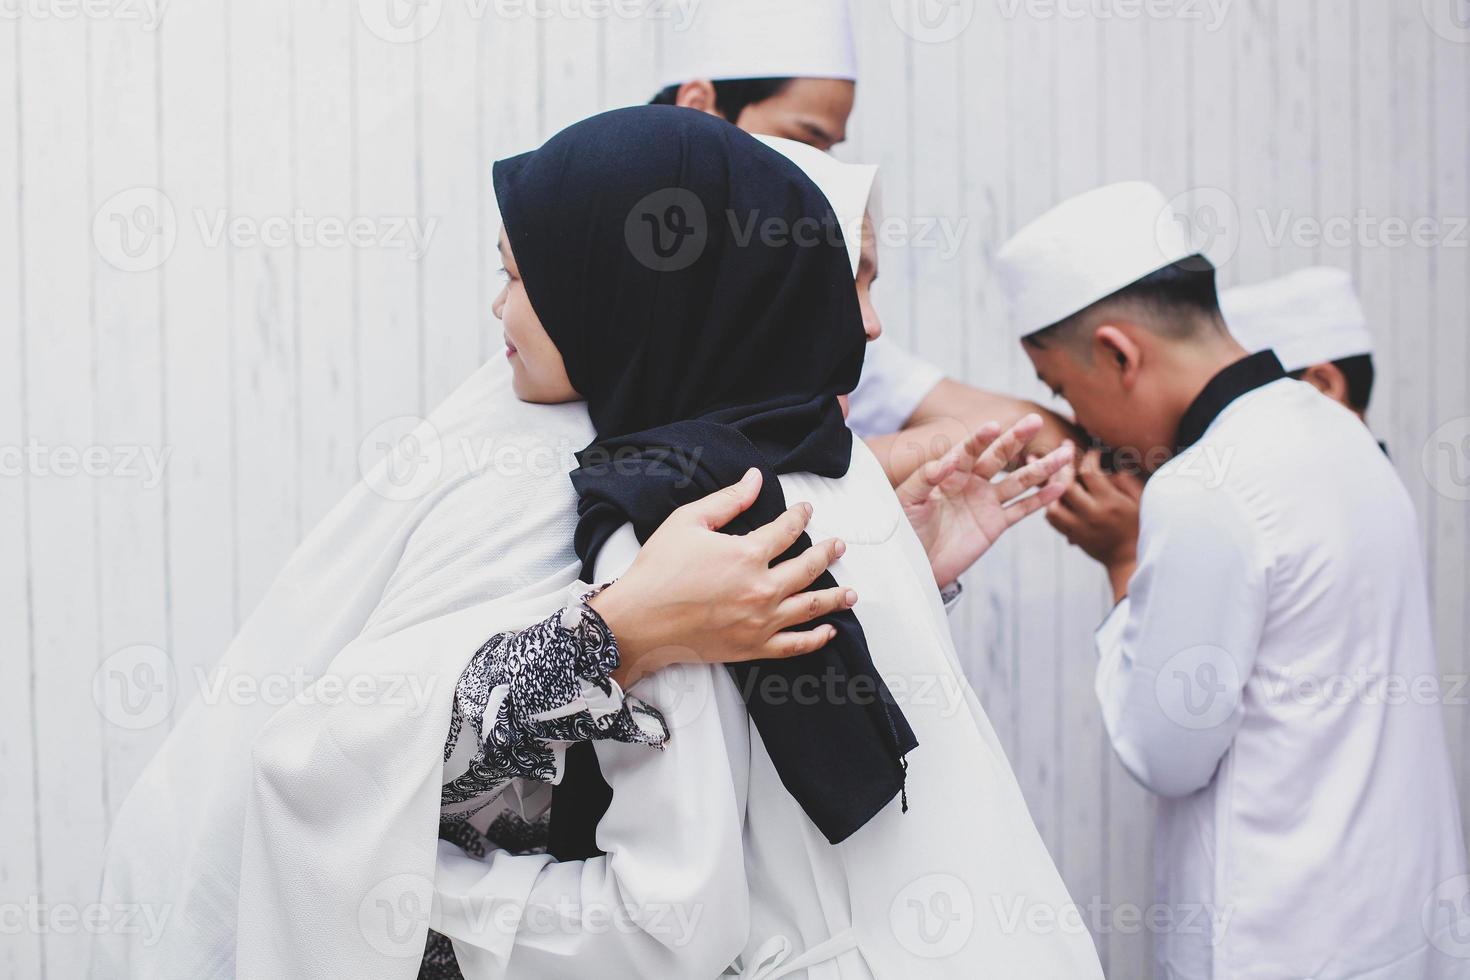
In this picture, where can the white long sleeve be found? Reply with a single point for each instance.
(668, 898)
(1176, 653)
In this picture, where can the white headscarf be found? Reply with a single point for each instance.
(851, 188)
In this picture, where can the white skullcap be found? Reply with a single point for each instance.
(1309, 317)
(1086, 249)
(849, 187)
(731, 39)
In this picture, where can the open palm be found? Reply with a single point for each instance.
(959, 509)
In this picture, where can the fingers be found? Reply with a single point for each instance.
(1025, 507)
(798, 573)
(1007, 447)
(723, 506)
(1064, 519)
(917, 488)
(807, 606)
(783, 646)
(776, 537)
(1035, 473)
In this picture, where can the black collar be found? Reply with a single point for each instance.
(1240, 378)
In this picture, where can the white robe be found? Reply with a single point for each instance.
(950, 889)
(1310, 815)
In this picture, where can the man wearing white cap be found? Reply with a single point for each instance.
(1268, 670)
(1314, 322)
(788, 68)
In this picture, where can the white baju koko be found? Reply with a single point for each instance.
(1272, 675)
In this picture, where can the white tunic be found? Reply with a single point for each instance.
(952, 889)
(1272, 674)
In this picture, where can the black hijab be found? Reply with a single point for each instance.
(697, 286)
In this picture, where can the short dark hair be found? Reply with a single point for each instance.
(734, 96)
(1186, 286)
(1359, 373)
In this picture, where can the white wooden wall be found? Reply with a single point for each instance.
(260, 368)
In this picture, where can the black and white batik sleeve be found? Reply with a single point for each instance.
(527, 695)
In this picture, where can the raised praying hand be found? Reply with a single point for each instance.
(959, 509)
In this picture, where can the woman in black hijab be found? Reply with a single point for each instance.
(695, 290)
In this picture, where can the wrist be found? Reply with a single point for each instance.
(1120, 571)
(624, 620)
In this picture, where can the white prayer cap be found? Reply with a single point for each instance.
(731, 39)
(1309, 317)
(849, 187)
(1086, 249)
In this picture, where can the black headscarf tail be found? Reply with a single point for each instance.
(697, 286)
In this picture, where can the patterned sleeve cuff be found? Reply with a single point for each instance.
(526, 695)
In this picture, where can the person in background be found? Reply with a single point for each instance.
(1268, 670)
(1315, 323)
(778, 68)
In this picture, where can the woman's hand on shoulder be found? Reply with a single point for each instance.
(697, 595)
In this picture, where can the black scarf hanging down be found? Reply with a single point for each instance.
(697, 286)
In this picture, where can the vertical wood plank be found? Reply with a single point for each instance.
(131, 557)
(1448, 518)
(61, 376)
(263, 321)
(197, 304)
(1257, 87)
(323, 191)
(388, 287)
(20, 952)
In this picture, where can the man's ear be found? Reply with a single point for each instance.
(1114, 349)
(698, 94)
(1328, 379)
